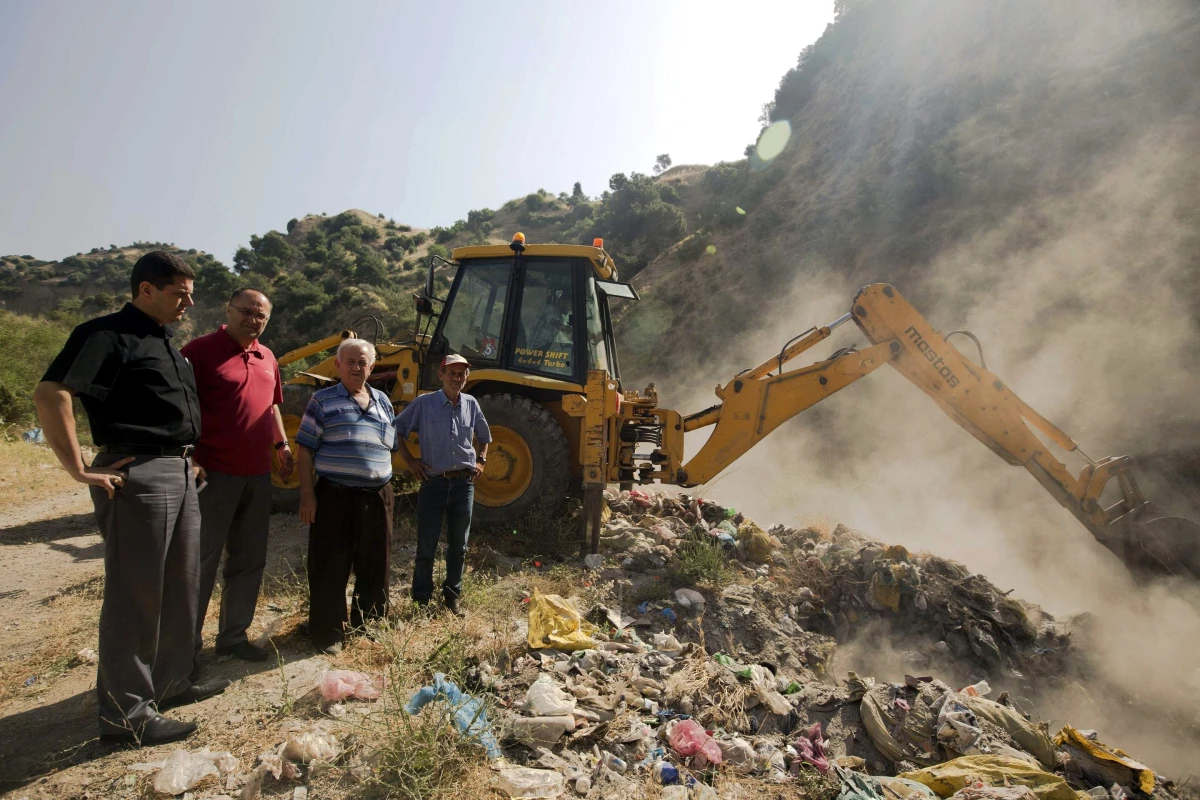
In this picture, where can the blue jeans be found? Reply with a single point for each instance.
(450, 499)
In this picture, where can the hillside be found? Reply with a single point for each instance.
(1006, 164)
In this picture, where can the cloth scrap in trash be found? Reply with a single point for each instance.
(811, 748)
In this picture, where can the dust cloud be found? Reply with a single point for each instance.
(1083, 303)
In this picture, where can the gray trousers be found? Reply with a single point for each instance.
(235, 514)
(151, 531)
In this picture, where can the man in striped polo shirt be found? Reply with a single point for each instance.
(347, 438)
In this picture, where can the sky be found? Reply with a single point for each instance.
(201, 124)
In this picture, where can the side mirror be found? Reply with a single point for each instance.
(424, 305)
(429, 280)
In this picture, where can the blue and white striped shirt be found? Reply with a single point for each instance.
(445, 429)
(350, 446)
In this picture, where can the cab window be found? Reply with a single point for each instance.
(596, 344)
(545, 340)
(475, 323)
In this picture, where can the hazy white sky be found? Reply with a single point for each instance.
(202, 123)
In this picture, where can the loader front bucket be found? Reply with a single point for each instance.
(1153, 543)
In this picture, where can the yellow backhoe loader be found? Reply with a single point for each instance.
(533, 320)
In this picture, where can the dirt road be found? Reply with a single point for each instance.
(51, 572)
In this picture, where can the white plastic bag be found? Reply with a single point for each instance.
(545, 699)
(338, 684)
(182, 770)
(526, 783)
(315, 744)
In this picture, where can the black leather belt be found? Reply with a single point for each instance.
(457, 473)
(341, 487)
(148, 450)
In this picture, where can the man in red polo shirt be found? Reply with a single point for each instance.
(240, 391)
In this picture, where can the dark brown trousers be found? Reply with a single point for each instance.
(352, 532)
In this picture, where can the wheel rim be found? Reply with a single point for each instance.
(291, 424)
(508, 471)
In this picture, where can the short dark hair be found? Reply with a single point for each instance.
(239, 292)
(160, 268)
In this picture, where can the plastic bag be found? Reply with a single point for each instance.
(316, 744)
(764, 686)
(689, 739)
(811, 749)
(526, 782)
(339, 684)
(555, 622)
(182, 770)
(958, 729)
(1030, 737)
(666, 643)
(737, 752)
(469, 715)
(545, 699)
(946, 779)
(690, 599)
(1104, 764)
(857, 786)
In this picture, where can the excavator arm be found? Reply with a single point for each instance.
(755, 402)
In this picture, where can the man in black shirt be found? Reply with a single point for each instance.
(140, 397)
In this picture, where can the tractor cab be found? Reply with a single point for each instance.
(538, 310)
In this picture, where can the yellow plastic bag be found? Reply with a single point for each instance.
(555, 622)
(1109, 760)
(946, 779)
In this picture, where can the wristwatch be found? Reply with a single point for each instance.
(479, 460)
(281, 445)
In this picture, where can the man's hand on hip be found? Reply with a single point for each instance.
(419, 468)
(478, 471)
(108, 478)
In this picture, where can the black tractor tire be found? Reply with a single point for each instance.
(547, 443)
(295, 400)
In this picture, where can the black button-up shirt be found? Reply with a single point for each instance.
(134, 385)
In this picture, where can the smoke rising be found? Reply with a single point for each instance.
(1084, 295)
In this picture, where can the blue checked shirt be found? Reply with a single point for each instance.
(445, 429)
(350, 446)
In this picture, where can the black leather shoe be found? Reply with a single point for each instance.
(245, 651)
(452, 607)
(158, 730)
(194, 694)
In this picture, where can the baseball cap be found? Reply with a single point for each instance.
(454, 358)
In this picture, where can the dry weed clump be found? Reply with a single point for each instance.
(30, 472)
(708, 684)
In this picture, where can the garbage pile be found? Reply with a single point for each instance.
(736, 680)
(947, 616)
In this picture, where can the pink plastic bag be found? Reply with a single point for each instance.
(811, 747)
(339, 684)
(688, 739)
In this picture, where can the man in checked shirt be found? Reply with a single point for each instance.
(445, 421)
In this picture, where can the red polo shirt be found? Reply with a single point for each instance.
(237, 391)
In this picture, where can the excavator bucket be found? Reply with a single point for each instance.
(1151, 542)
(1148, 540)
